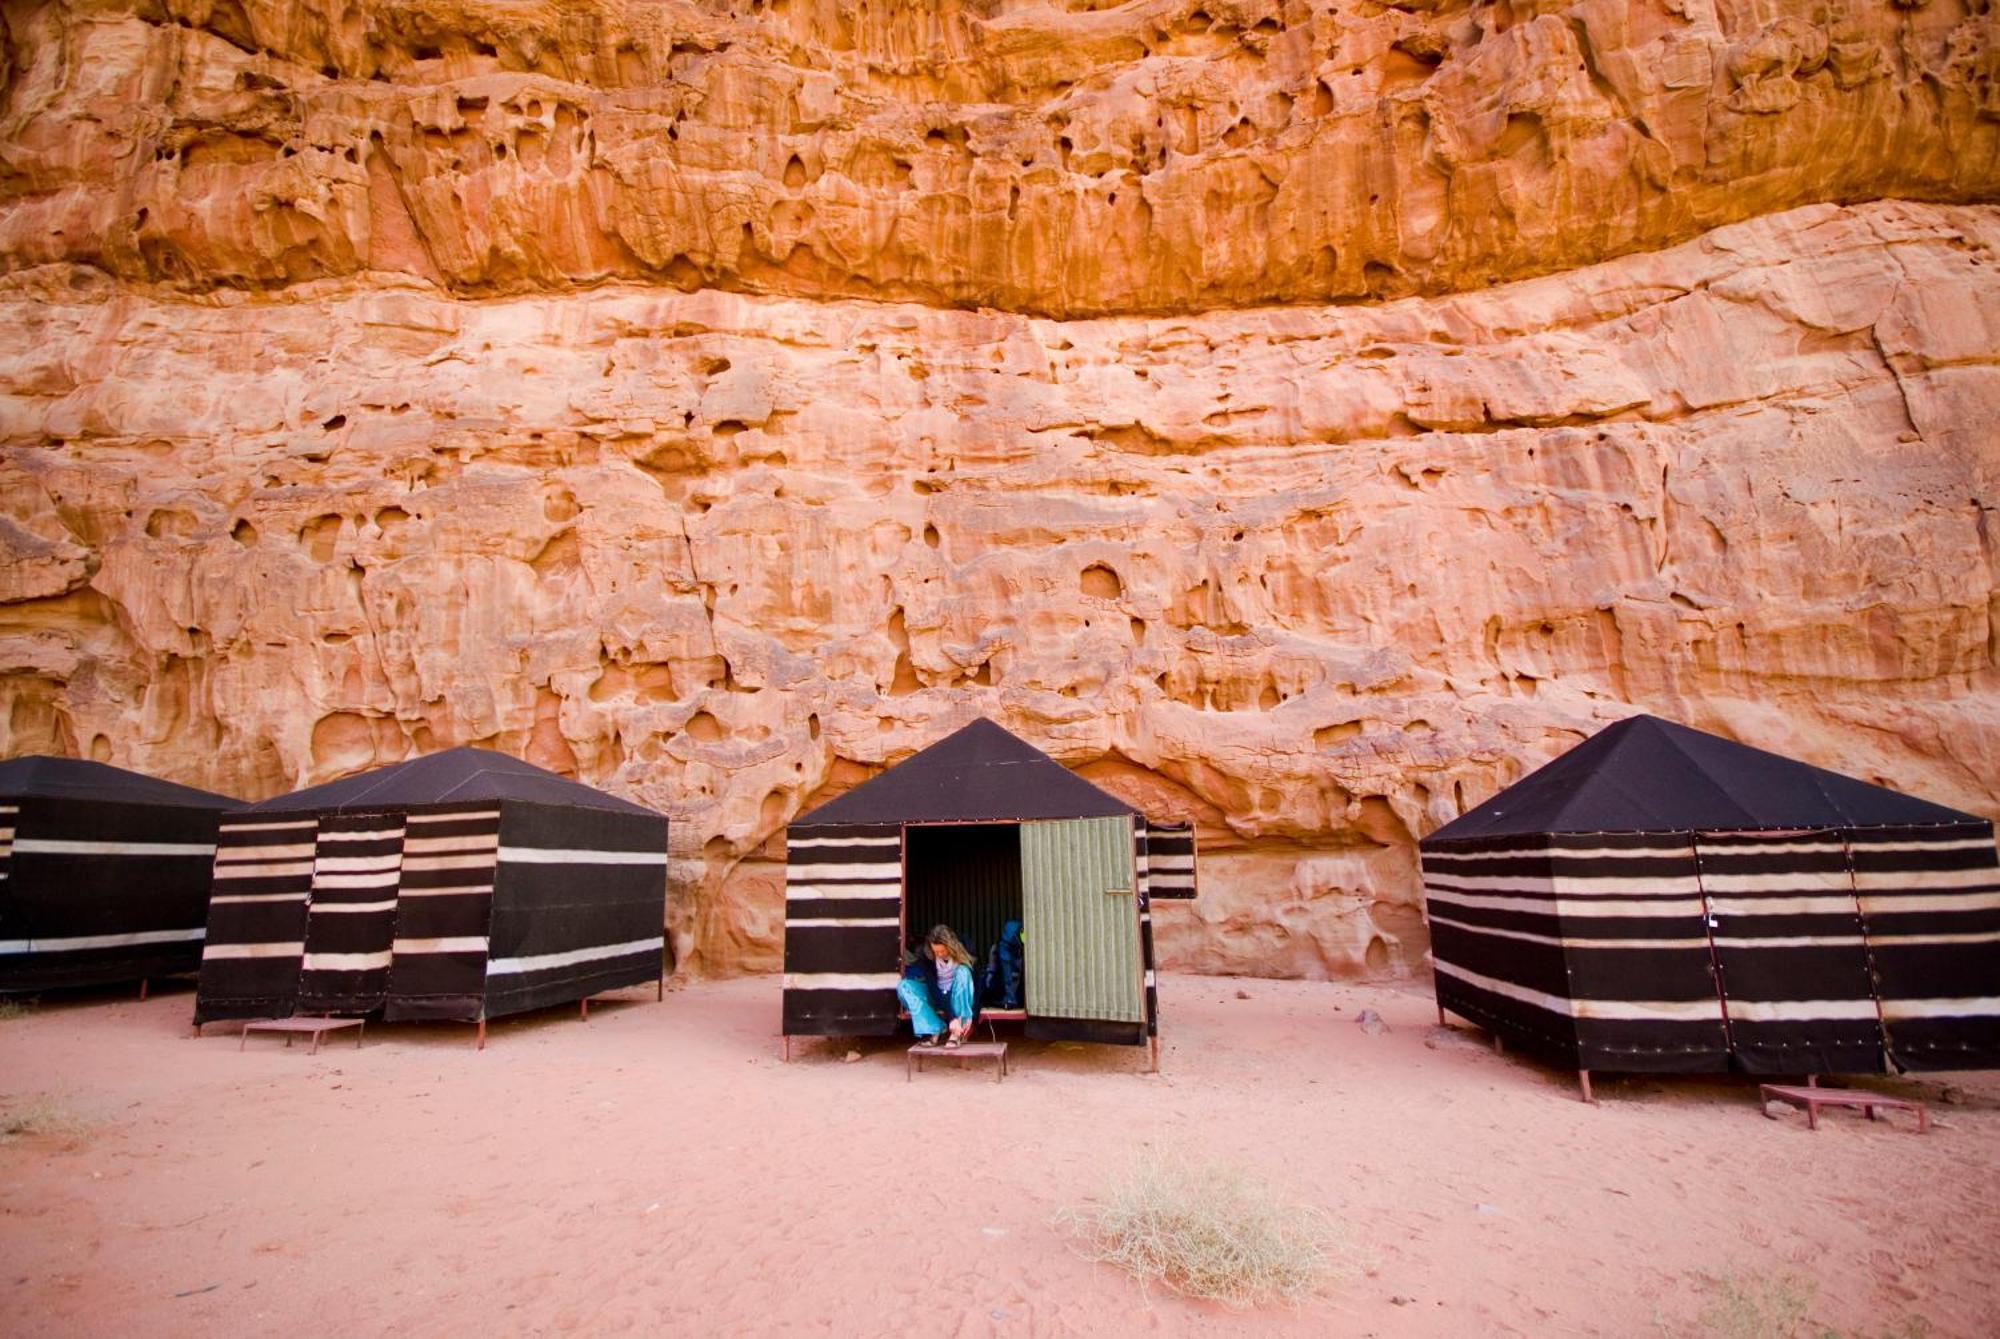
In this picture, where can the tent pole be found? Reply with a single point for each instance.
(1154, 1044)
(1440, 1013)
(788, 1048)
(661, 992)
(1583, 1080)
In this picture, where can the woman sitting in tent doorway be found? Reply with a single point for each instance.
(937, 982)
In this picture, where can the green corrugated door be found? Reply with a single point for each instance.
(1080, 920)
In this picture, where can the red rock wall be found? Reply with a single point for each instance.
(1304, 420)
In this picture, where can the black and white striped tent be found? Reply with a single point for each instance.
(1660, 899)
(464, 885)
(103, 873)
(976, 830)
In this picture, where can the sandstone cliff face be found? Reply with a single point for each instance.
(316, 451)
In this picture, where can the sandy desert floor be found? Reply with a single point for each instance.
(658, 1170)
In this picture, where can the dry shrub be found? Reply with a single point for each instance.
(1210, 1231)
(1759, 1306)
(13, 1008)
(35, 1116)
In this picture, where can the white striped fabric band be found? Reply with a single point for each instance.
(831, 843)
(1801, 1011)
(841, 980)
(77, 943)
(824, 870)
(477, 860)
(233, 898)
(352, 908)
(1550, 904)
(826, 923)
(595, 953)
(1571, 942)
(1985, 1006)
(53, 846)
(462, 944)
(292, 950)
(549, 855)
(345, 962)
(815, 892)
(1624, 1011)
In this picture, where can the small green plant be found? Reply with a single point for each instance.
(15, 1008)
(1210, 1231)
(40, 1115)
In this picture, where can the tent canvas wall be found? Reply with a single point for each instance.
(1660, 899)
(978, 829)
(465, 885)
(103, 873)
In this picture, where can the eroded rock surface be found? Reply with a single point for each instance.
(391, 377)
(1066, 159)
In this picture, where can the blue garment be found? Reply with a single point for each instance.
(920, 995)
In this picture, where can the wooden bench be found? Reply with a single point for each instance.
(1812, 1099)
(995, 1051)
(318, 1027)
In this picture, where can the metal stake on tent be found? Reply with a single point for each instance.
(1583, 1080)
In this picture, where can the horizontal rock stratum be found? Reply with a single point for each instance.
(1300, 420)
(1063, 159)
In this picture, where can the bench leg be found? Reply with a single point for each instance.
(243, 1039)
(481, 1045)
(315, 1046)
(1499, 1045)
(1440, 1013)
(1583, 1082)
(1812, 1115)
(359, 1028)
(584, 1007)
(1923, 1120)
(788, 1047)
(143, 983)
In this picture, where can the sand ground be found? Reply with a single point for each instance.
(658, 1170)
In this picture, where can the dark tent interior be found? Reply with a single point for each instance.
(967, 876)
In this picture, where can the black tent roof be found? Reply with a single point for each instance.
(980, 774)
(1644, 774)
(455, 776)
(39, 776)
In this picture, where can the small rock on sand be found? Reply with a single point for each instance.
(851, 1057)
(1370, 1022)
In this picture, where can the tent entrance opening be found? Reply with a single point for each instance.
(965, 875)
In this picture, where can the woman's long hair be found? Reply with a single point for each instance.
(941, 934)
